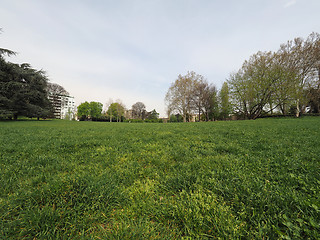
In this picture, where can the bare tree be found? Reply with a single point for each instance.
(138, 110)
(180, 96)
(200, 90)
(56, 89)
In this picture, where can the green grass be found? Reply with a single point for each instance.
(222, 180)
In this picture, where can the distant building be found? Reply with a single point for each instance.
(63, 106)
(128, 114)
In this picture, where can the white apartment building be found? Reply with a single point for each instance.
(63, 106)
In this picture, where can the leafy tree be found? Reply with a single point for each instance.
(95, 109)
(153, 115)
(173, 118)
(117, 111)
(109, 110)
(211, 105)
(83, 112)
(313, 96)
(90, 110)
(269, 80)
(302, 58)
(138, 110)
(176, 118)
(254, 85)
(22, 91)
(225, 106)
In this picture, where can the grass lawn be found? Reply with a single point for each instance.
(222, 180)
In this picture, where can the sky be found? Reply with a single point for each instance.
(133, 50)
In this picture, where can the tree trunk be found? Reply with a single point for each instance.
(298, 109)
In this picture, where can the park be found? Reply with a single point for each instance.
(251, 179)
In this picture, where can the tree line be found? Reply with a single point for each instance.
(116, 112)
(191, 96)
(282, 82)
(286, 81)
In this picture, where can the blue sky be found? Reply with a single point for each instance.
(133, 50)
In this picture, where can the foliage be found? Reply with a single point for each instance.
(176, 118)
(95, 109)
(90, 110)
(253, 86)
(116, 111)
(153, 115)
(173, 118)
(22, 91)
(192, 94)
(313, 95)
(83, 110)
(277, 80)
(225, 105)
(224, 180)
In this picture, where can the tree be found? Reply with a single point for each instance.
(173, 118)
(313, 96)
(95, 109)
(109, 110)
(138, 110)
(225, 106)
(210, 103)
(117, 111)
(302, 58)
(179, 97)
(83, 112)
(56, 89)
(90, 110)
(153, 115)
(56, 95)
(22, 91)
(199, 95)
(254, 85)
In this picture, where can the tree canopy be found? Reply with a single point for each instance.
(22, 91)
(90, 110)
(116, 111)
(277, 80)
(191, 94)
(153, 115)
